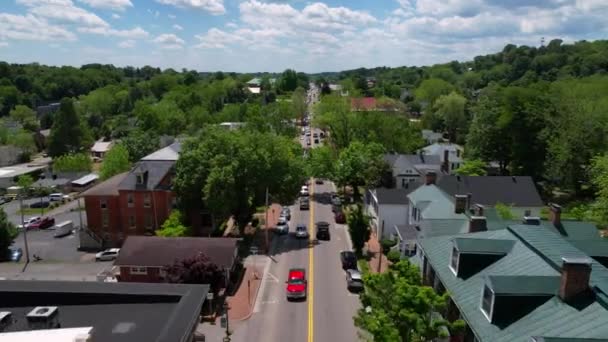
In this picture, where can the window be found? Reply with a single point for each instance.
(131, 222)
(454, 261)
(403, 182)
(140, 178)
(147, 201)
(487, 302)
(130, 201)
(148, 221)
(174, 202)
(162, 273)
(139, 270)
(103, 203)
(105, 219)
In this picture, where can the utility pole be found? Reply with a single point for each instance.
(27, 250)
(266, 226)
(79, 213)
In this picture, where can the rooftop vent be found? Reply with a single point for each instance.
(43, 317)
(5, 320)
(532, 220)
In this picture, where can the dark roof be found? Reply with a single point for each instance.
(483, 246)
(523, 285)
(395, 196)
(156, 172)
(116, 311)
(406, 232)
(164, 251)
(593, 248)
(108, 187)
(519, 191)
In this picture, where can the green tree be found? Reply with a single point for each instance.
(288, 80)
(174, 226)
(25, 181)
(8, 232)
(26, 117)
(140, 143)
(68, 134)
(599, 179)
(25, 141)
(450, 108)
(396, 307)
(431, 89)
(472, 168)
(321, 162)
(76, 162)
(358, 227)
(504, 211)
(197, 269)
(115, 162)
(360, 165)
(298, 103)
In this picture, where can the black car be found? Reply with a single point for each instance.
(349, 260)
(323, 231)
(40, 204)
(304, 203)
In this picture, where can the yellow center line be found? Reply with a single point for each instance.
(311, 274)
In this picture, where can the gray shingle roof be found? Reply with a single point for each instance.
(406, 232)
(395, 196)
(169, 153)
(108, 187)
(157, 170)
(488, 190)
(536, 252)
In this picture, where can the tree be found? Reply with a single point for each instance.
(396, 307)
(360, 165)
(76, 162)
(140, 143)
(599, 179)
(450, 108)
(431, 89)
(288, 80)
(321, 162)
(173, 226)
(358, 226)
(504, 211)
(472, 168)
(25, 141)
(26, 117)
(197, 269)
(8, 232)
(115, 162)
(69, 134)
(25, 181)
(298, 103)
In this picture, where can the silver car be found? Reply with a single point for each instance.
(282, 226)
(301, 231)
(354, 281)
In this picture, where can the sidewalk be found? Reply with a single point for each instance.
(242, 302)
(374, 248)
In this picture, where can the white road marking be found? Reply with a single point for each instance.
(262, 289)
(274, 278)
(274, 301)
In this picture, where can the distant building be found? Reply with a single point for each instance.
(451, 155)
(9, 174)
(100, 148)
(47, 109)
(432, 137)
(232, 126)
(408, 168)
(363, 104)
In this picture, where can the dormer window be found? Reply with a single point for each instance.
(140, 178)
(487, 302)
(454, 260)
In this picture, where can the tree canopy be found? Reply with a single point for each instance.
(115, 161)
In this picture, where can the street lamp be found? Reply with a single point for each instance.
(27, 251)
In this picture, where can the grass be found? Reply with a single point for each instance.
(363, 266)
(32, 211)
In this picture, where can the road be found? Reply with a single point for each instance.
(327, 313)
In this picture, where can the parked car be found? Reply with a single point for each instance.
(296, 284)
(107, 255)
(40, 204)
(335, 200)
(318, 181)
(348, 260)
(315, 135)
(354, 281)
(43, 223)
(28, 222)
(323, 231)
(282, 226)
(304, 203)
(56, 197)
(12, 254)
(286, 212)
(340, 217)
(301, 231)
(4, 200)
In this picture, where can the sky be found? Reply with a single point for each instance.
(267, 35)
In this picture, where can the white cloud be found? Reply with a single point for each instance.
(178, 27)
(171, 16)
(169, 41)
(232, 25)
(135, 33)
(30, 27)
(115, 16)
(116, 5)
(3, 44)
(62, 10)
(217, 39)
(214, 7)
(126, 44)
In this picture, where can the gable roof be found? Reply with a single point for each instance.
(102, 146)
(363, 103)
(418, 162)
(438, 149)
(518, 191)
(535, 253)
(169, 153)
(108, 187)
(394, 196)
(156, 170)
(156, 251)
(434, 203)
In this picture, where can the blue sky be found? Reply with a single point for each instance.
(265, 35)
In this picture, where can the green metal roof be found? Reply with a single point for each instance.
(434, 203)
(559, 339)
(535, 252)
(437, 227)
(594, 248)
(523, 285)
(483, 246)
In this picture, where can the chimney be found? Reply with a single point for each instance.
(446, 161)
(461, 203)
(477, 224)
(431, 177)
(479, 209)
(531, 220)
(43, 317)
(555, 214)
(576, 273)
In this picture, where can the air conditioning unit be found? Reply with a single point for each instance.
(5, 320)
(43, 317)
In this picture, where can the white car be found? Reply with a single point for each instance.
(282, 226)
(301, 231)
(107, 255)
(29, 221)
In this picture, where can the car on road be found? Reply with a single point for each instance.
(43, 223)
(335, 200)
(318, 181)
(354, 280)
(56, 197)
(307, 133)
(304, 203)
(315, 135)
(282, 226)
(301, 231)
(40, 204)
(296, 284)
(107, 255)
(348, 260)
(29, 221)
(286, 212)
(340, 217)
(12, 254)
(323, 231)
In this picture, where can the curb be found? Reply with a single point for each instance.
(248, 316)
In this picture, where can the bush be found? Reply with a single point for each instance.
(393, 256)
(387, 244)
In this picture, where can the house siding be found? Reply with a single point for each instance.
(152, 275)
(392, 215)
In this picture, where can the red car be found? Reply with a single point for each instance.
(44, 223)
(340, 217)
(296, 284)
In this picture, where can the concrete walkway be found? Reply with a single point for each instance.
(378, 261)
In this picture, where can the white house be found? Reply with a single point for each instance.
(387, 208)
(408, 168)
(450, 154)
(100, 148)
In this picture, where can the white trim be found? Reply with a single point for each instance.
(141, 270)
(455, 271)
(486, 314)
